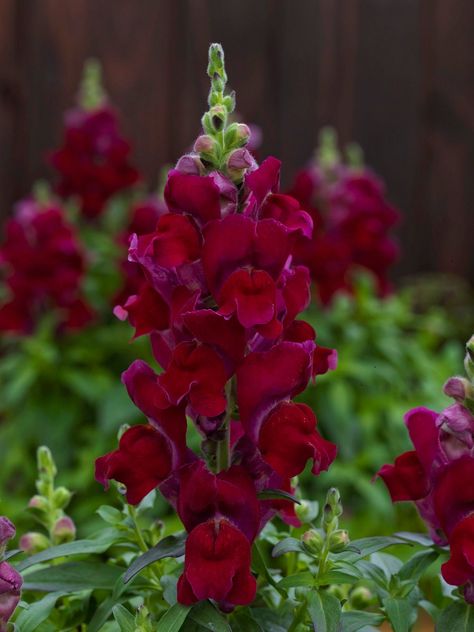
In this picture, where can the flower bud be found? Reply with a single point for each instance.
(204, 144)
(313, 541)
(458, 388)
(64, 530)
(240, 159)
(38, 502)
(469, 359)
(190, 164)
(218, 115)
(7, 531)
(45, 461)
(307, 511)
(61, 497)
(338, 540)
(34, 542)
(361, 598)
(243, 133)
(10, 589)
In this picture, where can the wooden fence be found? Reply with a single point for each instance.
(395, 75)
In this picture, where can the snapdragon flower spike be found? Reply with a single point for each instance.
(93, 161)
(220, 301)
(352, 221)
(43, 266)
(435, 475)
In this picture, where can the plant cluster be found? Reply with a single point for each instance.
(352, 220)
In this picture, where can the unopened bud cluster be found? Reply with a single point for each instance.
(48, 507)
(461, 388)
(329, 538)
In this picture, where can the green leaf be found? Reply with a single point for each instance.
(457, 617)
(278, 494)
(297, 580)
(288, 545)
(73, 576)
(417, 538)
(171, 546)
(366, 546)
(399, 613)
(109, 514)
(209, 618)
(416, 566)
(259, 565)
(325, 611)
(173, 618)
(79, 547)
(9, 554)
(124, 618)
(356, 620)
(37, 612)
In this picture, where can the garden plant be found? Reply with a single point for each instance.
(220, 510)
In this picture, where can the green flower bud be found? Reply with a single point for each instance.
(64, 530)
(39, 502)
(307, 511)
(313, 541)
(45, 461)
(361, 598)
(61, 497)
(34, 542)
(338, 540)
(218, 114)
(469, 359)
(204, 144)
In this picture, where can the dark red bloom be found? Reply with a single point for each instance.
(143, 387)
(199, 196)
(93, 162)
(454, 493)
(406, 478)
(287, 210)
(43, 267)
(288, 438)
(146, 311)
(251, 294)
(459, 569)
(217, 566)
(352, 223)
(175, 241)
(238, 242)
(230, 494)
(266, 378)
(226, 334)
(198, 372)
(143, 460)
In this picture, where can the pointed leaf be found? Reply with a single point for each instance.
(297, 580)
(209, 618)
(36, 613)
(173, 619)
(356, 620)
(79, 547)
(457, 617)
(417, 565)
(171, 546)
(399, 613)
(124, 618)
(325, 611)
(288, 545)
(277, 494)
(73, 576)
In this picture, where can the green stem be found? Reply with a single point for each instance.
(138, 532)
(223, 446)
(299, 617)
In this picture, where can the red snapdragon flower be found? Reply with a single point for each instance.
(220, 301)
(93, 161)
(434, 476)
(352, 222)
(43, 266)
